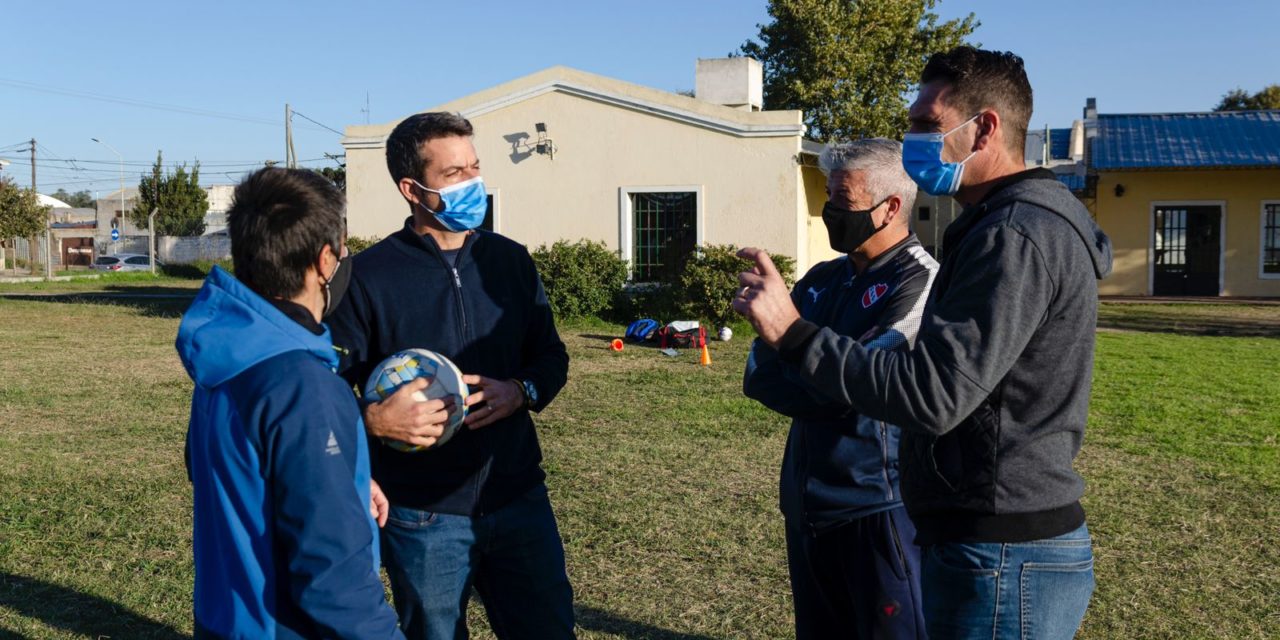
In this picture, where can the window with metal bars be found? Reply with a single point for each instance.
(664, 234)
(1171, 237)
(1271, 239)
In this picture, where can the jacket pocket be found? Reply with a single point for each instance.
(962, 462)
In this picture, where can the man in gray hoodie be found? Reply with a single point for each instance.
(993, 399)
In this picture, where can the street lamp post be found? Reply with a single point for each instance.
(121, 157)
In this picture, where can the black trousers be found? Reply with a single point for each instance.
(859, 580)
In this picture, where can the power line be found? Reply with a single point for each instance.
(159, 106)
(297, 113)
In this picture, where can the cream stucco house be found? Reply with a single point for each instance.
(572, 155)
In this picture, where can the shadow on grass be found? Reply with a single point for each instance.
(1153, 321)
(77, 613)
(156, 302)
(592, 619)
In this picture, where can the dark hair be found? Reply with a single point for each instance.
(279, 221)
(404, 146)
(986, 80)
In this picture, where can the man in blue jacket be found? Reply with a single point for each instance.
(473, 511)
(285, 545)
(855, 570)
(993, 398)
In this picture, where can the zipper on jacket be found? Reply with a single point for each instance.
(884, 457)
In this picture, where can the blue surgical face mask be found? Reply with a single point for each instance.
(463, 205)
(922, 158)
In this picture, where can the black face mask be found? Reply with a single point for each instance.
(336, 286)
(847, 229)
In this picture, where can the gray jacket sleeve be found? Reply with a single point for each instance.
(971, 337)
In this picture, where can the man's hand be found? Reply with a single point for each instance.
(401, 417)
(500, 399)
(379, 507)
(764, 298)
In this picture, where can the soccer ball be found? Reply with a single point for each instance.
(407, 365)
(725, 334)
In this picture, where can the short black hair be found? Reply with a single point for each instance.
(404, 146)
(986, 80)
(279, 221)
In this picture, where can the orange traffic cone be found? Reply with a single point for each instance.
(706, 356)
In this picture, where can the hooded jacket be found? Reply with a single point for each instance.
(994, 397)
(276, 453)
(840, 465)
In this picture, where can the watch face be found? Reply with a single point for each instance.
(531, 391)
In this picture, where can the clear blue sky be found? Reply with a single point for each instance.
(245, 60)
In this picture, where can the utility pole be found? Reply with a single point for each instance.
(291, 159)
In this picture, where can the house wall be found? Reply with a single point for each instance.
(1128, 220)
(750, 185)
(819, 244)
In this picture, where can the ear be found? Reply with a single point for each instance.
(893, 209)
(408, 189)
(989, 132)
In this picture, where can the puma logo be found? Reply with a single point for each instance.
(816, 292)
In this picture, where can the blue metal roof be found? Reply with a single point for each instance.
(1060, 144)
(1187, 140)
(1073, 181)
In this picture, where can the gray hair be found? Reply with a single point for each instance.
(881, 161)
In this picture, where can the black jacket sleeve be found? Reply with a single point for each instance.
(352, 334)
(970, 339)
(545, 359)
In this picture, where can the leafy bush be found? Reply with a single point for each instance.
(196, 270)
(357, 244)
(582, 278)
(709, 282)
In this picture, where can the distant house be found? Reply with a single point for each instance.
(573, 155)
(1191, 202)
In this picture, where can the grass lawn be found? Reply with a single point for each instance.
(663, 476)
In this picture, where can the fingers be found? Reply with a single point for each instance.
(476, 380)
(474, 399)
(763, 263)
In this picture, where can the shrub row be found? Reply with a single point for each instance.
(585, 278)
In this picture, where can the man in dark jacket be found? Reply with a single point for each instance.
(994, 397)
(474, 510)
(283, 539)
(854, 567)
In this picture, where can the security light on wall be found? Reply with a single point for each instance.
(544, 145)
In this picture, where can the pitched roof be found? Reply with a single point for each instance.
(1228, 139)
(699, 113)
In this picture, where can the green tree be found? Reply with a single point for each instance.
(178, 196)
(1241, 100)
(336, 175)
(850, 65)
(82, 199)
(21, 214)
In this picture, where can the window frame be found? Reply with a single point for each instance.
(1262, 238)
(626, 217)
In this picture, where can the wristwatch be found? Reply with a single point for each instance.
(530, 392)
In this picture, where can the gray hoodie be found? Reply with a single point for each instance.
(993, 399)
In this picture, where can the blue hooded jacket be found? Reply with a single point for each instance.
(284, 543)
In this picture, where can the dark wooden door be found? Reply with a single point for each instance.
(1188, 250)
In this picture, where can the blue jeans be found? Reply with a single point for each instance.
(513, 557)
(1036, 590)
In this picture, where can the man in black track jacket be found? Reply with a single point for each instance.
(994, 396)
(854, 567)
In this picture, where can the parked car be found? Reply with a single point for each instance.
(124, 262)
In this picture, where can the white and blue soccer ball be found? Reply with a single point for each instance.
(410, 364)
(726, 334)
